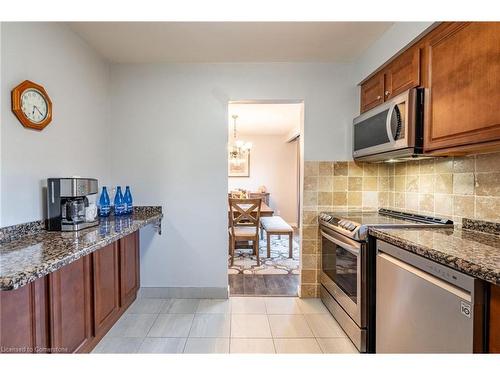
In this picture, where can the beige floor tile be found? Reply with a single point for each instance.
(171, 325)
(282, 305)
(296, 346)
(250, 326)
(210, 325)
(324, 325)
(207, 345)
(132, 325)
(248, 305)
(180, 306)
(263, 346)
(289, 326)
(214, 306)
(162, 345)
(238, 325)
(337, 345)
(312, 306)
(147, 306)
(118, 345)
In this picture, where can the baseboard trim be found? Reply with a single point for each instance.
(183, 292)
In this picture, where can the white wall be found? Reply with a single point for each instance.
(77, 141)
(170, 140)
(273, 163)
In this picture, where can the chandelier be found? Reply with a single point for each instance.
(238, 149)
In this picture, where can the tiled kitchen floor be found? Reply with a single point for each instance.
(235, 325)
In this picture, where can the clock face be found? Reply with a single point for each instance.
(34, 105)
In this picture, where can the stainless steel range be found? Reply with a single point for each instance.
(348, 266)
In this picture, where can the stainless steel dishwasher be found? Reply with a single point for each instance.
(425, 307)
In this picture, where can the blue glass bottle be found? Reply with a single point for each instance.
(128, 200)
(119, 204)
(104, 204)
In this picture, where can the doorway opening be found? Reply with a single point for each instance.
(264, 162)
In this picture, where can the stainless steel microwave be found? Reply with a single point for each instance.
(393, 130)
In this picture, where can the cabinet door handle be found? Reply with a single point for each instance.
(387, 93)
(379, 97)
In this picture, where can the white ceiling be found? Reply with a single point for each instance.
(197, 42)
(265, 119)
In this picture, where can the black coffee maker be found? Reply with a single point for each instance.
(71, 203)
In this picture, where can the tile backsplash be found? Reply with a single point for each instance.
(453, 187)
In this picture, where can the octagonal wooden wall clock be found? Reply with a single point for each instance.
(31, 105)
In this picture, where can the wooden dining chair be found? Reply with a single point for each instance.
(244, 224)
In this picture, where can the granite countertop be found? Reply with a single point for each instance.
(469, 251)
(37, 252)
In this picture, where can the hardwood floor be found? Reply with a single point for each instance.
(263, 285)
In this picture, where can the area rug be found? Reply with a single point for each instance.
(277, 264)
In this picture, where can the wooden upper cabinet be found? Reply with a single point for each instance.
(403, 73)
(106, 287)
(71, 307)
(372, 92)
(129, 268)
(464, 86)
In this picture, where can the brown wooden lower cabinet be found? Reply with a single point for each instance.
(106, 288)
(24, 319)
(129, 268)
(71, 309)
(494, 324)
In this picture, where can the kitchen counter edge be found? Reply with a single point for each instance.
(455, 262)
(142, 217)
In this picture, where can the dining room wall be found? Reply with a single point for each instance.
(273, 164)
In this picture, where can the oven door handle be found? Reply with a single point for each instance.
(352, 249)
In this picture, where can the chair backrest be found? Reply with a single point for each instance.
(244, 212)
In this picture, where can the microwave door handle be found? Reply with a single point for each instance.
(388, 123)
(352, 249)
